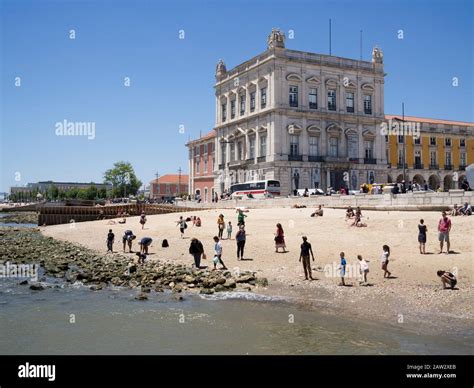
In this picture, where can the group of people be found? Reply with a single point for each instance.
(444, 228)
(465, 210)
(355, 217)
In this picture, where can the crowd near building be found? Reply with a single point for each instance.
(318, 121)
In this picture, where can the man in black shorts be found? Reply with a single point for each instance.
(128, 237)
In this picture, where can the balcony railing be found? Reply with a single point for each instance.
(354, 160)
(448, 166)
(434, 167)
(295, 158)
(418, 166)
(401, 165)
(370, 161)
(261, 159)
(314, 158)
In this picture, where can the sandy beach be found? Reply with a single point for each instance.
(414, 294)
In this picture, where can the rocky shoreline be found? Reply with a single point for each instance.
(20, 218)
(74, 263)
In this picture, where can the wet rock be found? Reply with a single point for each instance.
(36, 287)
(207, 291)
(229, 283)
(97, 287)
(220, 288)
(146, 290)
(141, 296)
(245, 278)
(263, 282)
(23, 283)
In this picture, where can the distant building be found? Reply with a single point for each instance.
(169, 185)
(201, 166)
(45, 186)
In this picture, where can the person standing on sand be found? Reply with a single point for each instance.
(385, 261)
(182, 225)
(229, 230)
(304, 254)
(197, 250)
(444, 227)
(280, 238)
(220, 225)
(240, 237)
(448, 279)
(241, 217)
(110, 241)
(364, 268)
(422, 229)
(128, 237)
(342, 268)
(218, 253)
(143, 220)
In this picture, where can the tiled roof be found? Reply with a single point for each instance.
(433, 121)
(172, 178)
(208, 136)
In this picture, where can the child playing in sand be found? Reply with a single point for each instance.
(448, 279)
(364, 268)
(182, 225)
(385, 261)
(110, 241)
(141, 257)
(143, 219)
(218, 253)
(342, 268)
(229, 230)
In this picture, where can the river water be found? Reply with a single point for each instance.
(75, 320)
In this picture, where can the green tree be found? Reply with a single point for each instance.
(122, 177)
(53, 192)
(102, 194)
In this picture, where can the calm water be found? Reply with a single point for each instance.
(112, 322)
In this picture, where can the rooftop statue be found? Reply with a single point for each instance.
(276, 39)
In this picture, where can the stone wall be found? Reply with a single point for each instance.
(411, 201)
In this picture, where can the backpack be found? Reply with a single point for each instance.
(165, 244)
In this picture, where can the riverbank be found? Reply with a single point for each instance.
(19, 218)
(75, 263)
(413, 294)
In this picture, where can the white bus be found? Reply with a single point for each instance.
(256, 189)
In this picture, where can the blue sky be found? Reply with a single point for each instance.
(171, 79)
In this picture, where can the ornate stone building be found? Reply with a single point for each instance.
(308, 120)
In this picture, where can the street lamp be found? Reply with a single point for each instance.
(404, 139)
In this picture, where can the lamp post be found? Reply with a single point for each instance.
(404, 139)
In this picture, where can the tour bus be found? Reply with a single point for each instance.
(256, 189)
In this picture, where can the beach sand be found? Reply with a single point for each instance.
(414, 294)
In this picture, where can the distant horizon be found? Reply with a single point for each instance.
(144, 92)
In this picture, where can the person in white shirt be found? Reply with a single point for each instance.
(218, 253)
(364, 267)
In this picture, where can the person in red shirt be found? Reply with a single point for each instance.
(444, 227)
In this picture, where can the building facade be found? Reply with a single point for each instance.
(307, 120)
(44, 186)
(438, 155)
(318, 121)
(170, 185)
(201, 166)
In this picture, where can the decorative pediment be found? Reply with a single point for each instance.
(262, 80)
(334, 129)
(261, 128)
(351, 85)
(294, 77)
(368, 87)
(313, 129)
(251, 85)
(332, 82)
(368, 133)
(294, 128)
(314, 80)
(351, 132)
(241, 90)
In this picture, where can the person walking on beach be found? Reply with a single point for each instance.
(197, 250)
(229, 230)
(280, 238)
(144, 243)
(128, 238)
(385, 261)
(448, 279)
(422, 229)
(342, 268)
(444, 227)
(218, 253)
(182, 225)
(240, 237)
(220, 225)
(143, 220)
(241, 217)
(304, 255)
(364, 268)
(110, 241)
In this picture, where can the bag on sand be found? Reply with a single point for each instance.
(165, 244)
(204, 257)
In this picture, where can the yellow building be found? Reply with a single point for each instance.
(429, 150)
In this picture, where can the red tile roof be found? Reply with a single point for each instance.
(210, 135)
(433, 121)
(172, 178)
